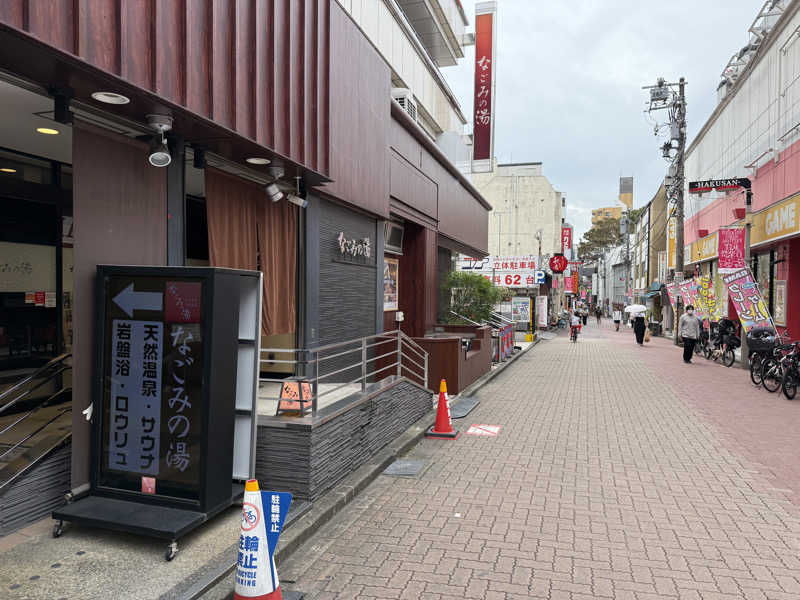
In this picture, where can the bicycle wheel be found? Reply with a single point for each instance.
(728, 357)
(755, 369)
(707, 350)
(771, 375)
(789, 383)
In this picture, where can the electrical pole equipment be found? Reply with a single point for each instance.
(672, 98)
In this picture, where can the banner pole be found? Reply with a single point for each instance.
(748, 203)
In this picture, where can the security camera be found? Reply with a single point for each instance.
(297, 200)
(274, 193)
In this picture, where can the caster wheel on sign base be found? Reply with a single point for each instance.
(58, 529)
(172, 550)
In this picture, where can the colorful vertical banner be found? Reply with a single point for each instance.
(672, 292)
(566, 239)
(747, 300)
(671, 241)
(707, 298)
(568, 282)
(731, 249)
(484, 77)
(690, 294)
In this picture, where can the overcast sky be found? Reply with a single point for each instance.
(568, 86)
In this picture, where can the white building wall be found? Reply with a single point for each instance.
(763, 108)
(523, 202)
(406, 57)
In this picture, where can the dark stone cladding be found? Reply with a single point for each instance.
(347, 290)
(35, 494)
(310, 460)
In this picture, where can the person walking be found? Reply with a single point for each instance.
(617, 316)
(598, 312)
(584, 315)
(689, 331)
(639, 326)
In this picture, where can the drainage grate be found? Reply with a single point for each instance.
(405, 468)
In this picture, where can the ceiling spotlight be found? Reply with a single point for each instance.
(297, 200)
(273, 192)
(47, 131)
(110, 98)
(7, 170)
(257, 160)
(159, 152)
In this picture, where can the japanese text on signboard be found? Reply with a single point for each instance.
(482, 127)
(743, 292)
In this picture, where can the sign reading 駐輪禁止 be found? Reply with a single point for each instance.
(263, 516)
(153, 371)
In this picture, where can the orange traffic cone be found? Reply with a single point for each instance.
(444, 423)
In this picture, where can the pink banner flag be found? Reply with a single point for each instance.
(747, 300)
(730, 248)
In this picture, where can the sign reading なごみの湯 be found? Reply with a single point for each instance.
(153, 372)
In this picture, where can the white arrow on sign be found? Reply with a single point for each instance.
(128, 300)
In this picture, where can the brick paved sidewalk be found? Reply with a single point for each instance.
(598, 486)
(763, 427)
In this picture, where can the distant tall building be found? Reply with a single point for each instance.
(626, 191)
(523, 202)
(606, 212)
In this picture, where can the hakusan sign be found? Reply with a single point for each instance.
(484, 77)
(721, 185)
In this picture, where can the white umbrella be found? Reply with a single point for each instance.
(635, 308)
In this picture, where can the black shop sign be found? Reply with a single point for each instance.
(152, 369)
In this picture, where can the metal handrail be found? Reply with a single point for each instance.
(35, 409)
(501, 318)
(311, 358)
(35, 375)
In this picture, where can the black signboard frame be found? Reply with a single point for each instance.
(117, 502)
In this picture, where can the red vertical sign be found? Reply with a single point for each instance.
(730, 248)
(566, 239)
(482, 128)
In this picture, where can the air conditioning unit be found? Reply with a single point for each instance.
(405, 98)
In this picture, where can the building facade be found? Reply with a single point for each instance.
(754, 133)
(285, 144)
(606, 212)
(527, 210)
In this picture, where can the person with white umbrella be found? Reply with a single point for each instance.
(639, 321)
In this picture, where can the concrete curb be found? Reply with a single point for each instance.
(326, 507)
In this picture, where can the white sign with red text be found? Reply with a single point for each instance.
(505, 271)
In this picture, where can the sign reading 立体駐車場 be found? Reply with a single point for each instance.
(505, 271)
(153, 373)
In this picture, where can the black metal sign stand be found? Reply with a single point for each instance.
(171, 431)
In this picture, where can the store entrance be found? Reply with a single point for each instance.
(35, 235)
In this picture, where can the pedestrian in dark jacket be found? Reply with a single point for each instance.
(639, 327)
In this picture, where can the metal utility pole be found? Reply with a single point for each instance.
(672, 97)
(748, 221)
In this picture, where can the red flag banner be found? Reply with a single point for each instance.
(731, 249)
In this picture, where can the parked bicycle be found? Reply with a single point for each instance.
(774, 367)
(791, 376)
(761, 342)
(723, 342)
